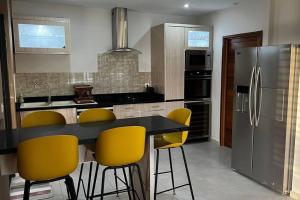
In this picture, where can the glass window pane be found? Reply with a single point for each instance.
(41, 36)
(198, 39)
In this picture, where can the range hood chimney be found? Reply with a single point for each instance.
(120, 31)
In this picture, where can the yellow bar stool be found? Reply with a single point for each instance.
(88, 116)
(48, 159)
(120, 148)
(43, 118)
(170, 141)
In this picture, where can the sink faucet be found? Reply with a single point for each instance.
(49, 94)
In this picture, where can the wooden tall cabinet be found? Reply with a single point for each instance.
(5, 10)
(167, 60)
(174, 62)
(168, 44)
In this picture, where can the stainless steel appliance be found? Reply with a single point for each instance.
(200, 119)
(265, 84)
(196, 60)
(197, 85)
(120, 31)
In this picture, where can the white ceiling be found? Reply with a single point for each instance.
(197, 7)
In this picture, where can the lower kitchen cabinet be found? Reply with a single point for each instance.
(146, 109)
(129, 114)
(68, 113)
(121, 111)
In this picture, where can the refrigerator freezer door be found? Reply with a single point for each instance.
(269, 134)
(242, 144)
(269, 140)
(245, 60)
(274, 62)
(242, 130)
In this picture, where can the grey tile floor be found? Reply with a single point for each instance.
(211, 176)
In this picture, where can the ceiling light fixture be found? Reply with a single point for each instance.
(186, 5)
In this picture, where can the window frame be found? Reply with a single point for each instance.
(199, 28)
(42, 21)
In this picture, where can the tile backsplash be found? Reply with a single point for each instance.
(117, 73)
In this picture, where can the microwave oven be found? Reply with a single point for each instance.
(196, 60)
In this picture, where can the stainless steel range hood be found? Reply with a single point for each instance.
(120, 31)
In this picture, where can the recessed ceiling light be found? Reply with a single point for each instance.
(186, 5)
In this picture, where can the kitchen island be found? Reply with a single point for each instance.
(87, 134)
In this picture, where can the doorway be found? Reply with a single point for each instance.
(230, 43)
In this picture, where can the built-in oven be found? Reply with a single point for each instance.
(200, 120)
(197, 85)
(196, 60)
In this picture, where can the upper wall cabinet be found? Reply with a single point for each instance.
(41, 35)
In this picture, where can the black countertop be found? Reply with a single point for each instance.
(102, 100)
(86, 133)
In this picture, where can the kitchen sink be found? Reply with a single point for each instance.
(46, 104)
(35, 105)
(62, 103)
(52, 104)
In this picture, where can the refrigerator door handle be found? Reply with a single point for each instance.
(258, 90)
(250, 95)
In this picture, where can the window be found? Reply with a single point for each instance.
(198, 39)
(41, 35)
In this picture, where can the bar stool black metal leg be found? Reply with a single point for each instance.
(127, 185)
(141, 181)
(131, 182)
(26, 190)
(171, 168)
(187, 172)
(95, 180)
(156, 173)
(89, 181)
(71, 187)
(103, 183)
(116, 181)
(68, 191)
(79, 180)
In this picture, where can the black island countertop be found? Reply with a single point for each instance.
(102, 100)
(86, 133)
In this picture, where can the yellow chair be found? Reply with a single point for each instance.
(48, 159)
(88, 116)
(173, 140)
(120, 148)
(96, 115)
(42, 118)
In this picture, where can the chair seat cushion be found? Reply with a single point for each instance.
(161, 143)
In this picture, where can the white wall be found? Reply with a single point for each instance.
(285, 26)
(248, 16)
(90, 36)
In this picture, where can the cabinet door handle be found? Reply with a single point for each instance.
(158, 110)
(156, 106)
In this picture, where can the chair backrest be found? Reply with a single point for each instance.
(47, 158)
(181, 116)
(121, 146)
(95, 115)
(42, 118)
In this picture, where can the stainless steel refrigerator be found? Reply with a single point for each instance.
(266, 85)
